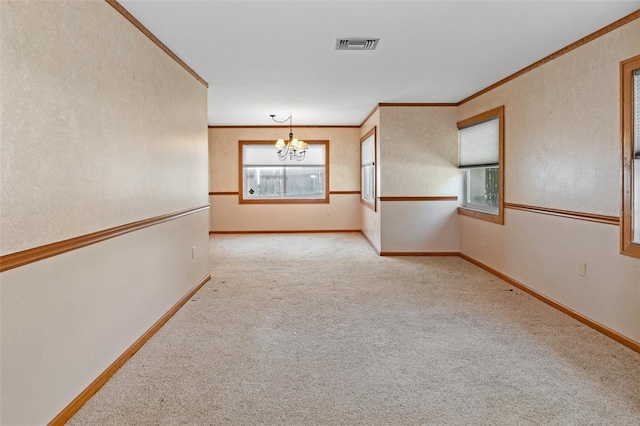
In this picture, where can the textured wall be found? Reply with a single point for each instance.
(562, 127)
(344, 175)
(419, 151)
(419, 157)
(563, 151)
(99, 128)
(344, 151)
(98, 125)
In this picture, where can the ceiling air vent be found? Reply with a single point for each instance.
(356, 43)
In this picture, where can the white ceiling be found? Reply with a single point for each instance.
(279, 57)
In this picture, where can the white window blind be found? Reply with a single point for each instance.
(265, 155)
(636, 114)
(266, 177)
(479, 144)
(368, 153)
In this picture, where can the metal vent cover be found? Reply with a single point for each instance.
(356, 43)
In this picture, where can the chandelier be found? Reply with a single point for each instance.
(293, 149)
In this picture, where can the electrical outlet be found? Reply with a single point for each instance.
(582, 269)
(328, 212)
(193, 252)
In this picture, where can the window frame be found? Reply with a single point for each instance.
(628, 246)
(243, 200)
(363, 201)
(477, 119)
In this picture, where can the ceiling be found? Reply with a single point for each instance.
(279, 57)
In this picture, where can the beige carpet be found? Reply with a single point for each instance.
(316, 329)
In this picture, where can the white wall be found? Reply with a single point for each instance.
(420, 226)
(543, 251)
(99, 128)
(65, 319)
(563, 151)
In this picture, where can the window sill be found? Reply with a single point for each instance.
(477, 214)
(631, 249)
(369, 203)
(285, 201)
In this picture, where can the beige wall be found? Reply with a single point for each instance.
(562, 131)
(563, 151)
(92, 141)
(419, 151)
(99, 128)
(101, 131)
(419, 158)
(341, 213)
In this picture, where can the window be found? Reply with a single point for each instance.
(630, 229)
(368, 169)
(266, 179)
(481, 144)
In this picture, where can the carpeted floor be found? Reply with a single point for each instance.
(316, 329)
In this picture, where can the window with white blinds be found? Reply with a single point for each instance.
(264, 178)
(479, 144)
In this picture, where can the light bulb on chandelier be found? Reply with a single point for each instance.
(293, 149)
